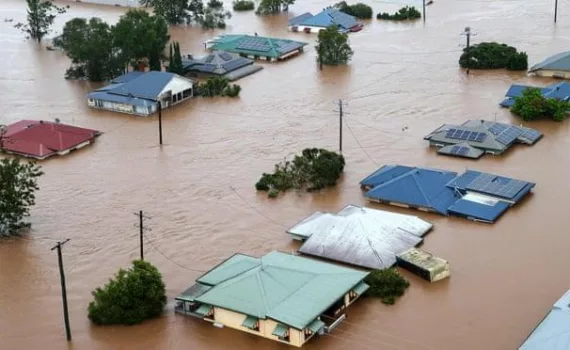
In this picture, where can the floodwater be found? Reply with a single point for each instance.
(198, 187)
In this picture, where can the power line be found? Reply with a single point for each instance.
(359, 145)
(169, 259)
(255, 209)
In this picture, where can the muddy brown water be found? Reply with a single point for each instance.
(198, 188)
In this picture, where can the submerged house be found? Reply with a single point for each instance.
(140, 92)
(219, 64)
(309, 23)
(560, 91)
(360, 236)
(40, 139)
(122, 3)
(281, 297)
(474, 138)
(474, 195)
(256, 47)
(557, 66)
(553, 332)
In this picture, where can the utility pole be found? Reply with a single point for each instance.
(141, 230)
(340, 125)
(160, 121)
(467, 32)
(555, 10)
(424, 8)
(63, 289)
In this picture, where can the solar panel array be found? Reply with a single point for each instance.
(285, 47)
(235, 64)
(509, 135)
(466, 135)
(255, 44)
(209, 59)
(530, 134)
(490, 184)
(459, 150)
(225, 56)
(498, 128)
(208, 68)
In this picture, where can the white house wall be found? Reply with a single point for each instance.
(123, 3)
(302, 29)
(553, 73)
(177, 84)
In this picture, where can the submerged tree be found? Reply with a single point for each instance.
(134, 295)
(491, 55)
(403, 14)
(175, 59)
(214, 15)
(89, 45)
(386, 284)
(173, 11)
(266, 7)
(218, 86)
(18, 183)
(314, 169)
(532, 105)
(358, 10)
(332, 47)
(41, 14)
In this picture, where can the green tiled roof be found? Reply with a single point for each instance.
(277, 47)
(289, 289)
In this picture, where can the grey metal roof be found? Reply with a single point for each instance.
(360, 236)
(471, 152)
(558, 62)
(499, 136)
(221, 63)
(553, 332)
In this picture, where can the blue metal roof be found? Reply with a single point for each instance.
(553, 332)
(125, 78)
(477, 211)
(445, 192)
(326, 18)
(105, 96)
(558, 62)
(147, 85)
(560, 91)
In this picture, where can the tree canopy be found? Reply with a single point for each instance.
(99, 52)
(134, 295)
(175, 59)
(386, 284)
(41, 14)
(218, 86)
(403, 14)
(491, 55)
(243, 5)
(214, 15)
(358, 10)
(267, 7)
(18, 183)
(314, 169)
(332, 47)
(177, 12)
(532, 105)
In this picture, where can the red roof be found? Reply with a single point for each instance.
(41, 139)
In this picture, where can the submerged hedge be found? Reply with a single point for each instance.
(403, 14)
(492, 55)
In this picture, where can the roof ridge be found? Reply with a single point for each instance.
(420, 187)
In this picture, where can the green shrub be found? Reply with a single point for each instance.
(243, 5)
(386, 284)
(218, 86)
(273, 193)
(358, 10)
(403, 14)
(532, 105)
(493, 56)
(315, 169)
(135, 295)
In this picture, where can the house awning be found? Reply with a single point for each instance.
(280, 330)
(250, 322)
(316, 325)
(203, 309)
(361, 288)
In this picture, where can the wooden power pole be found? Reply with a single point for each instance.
(63, 288)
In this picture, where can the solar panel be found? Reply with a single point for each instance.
(509, 135)
(235, 64)
(225, 56)
(207, 68)
(501, 187)
(459, 150)
(466, 135)
(530, 134)
(498, 128)
(288, 47)
(209, 58)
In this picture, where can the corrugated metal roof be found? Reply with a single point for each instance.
(40, 139)
(472, 152)
(287, 288)
(300, 19)
(473, 194)
(218, 63)
(147, 85)
(559, 91)
(255, 45)
(553, 332)
(361, 236)
(326, 18)
(558, 62)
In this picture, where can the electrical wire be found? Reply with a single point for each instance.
(256, 210)
(169, 259)
(359, 145)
